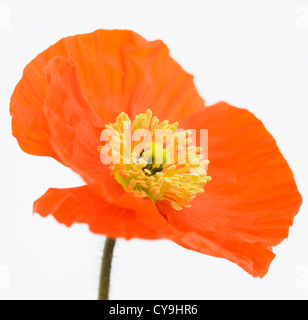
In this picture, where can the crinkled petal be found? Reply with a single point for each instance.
(81, 205)
(250, 204)
(75, 128)
(119, 71)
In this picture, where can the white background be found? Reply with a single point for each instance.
(252, 54)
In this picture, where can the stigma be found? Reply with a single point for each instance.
(154, 159)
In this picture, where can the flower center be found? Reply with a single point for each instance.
(154, 159)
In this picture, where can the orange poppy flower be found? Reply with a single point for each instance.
(69, 93)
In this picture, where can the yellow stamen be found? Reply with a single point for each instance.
(147, 171)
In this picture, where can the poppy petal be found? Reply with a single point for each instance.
(119, 71)
(250, 204)
(251, 257)
(29, 125)
(81, 205)
(75, 127)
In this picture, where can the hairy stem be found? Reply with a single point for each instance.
(104, 281)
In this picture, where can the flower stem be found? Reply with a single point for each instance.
(104, 281)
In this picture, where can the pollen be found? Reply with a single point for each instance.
(154, 159)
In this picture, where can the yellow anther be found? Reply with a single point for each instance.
(148, 172)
